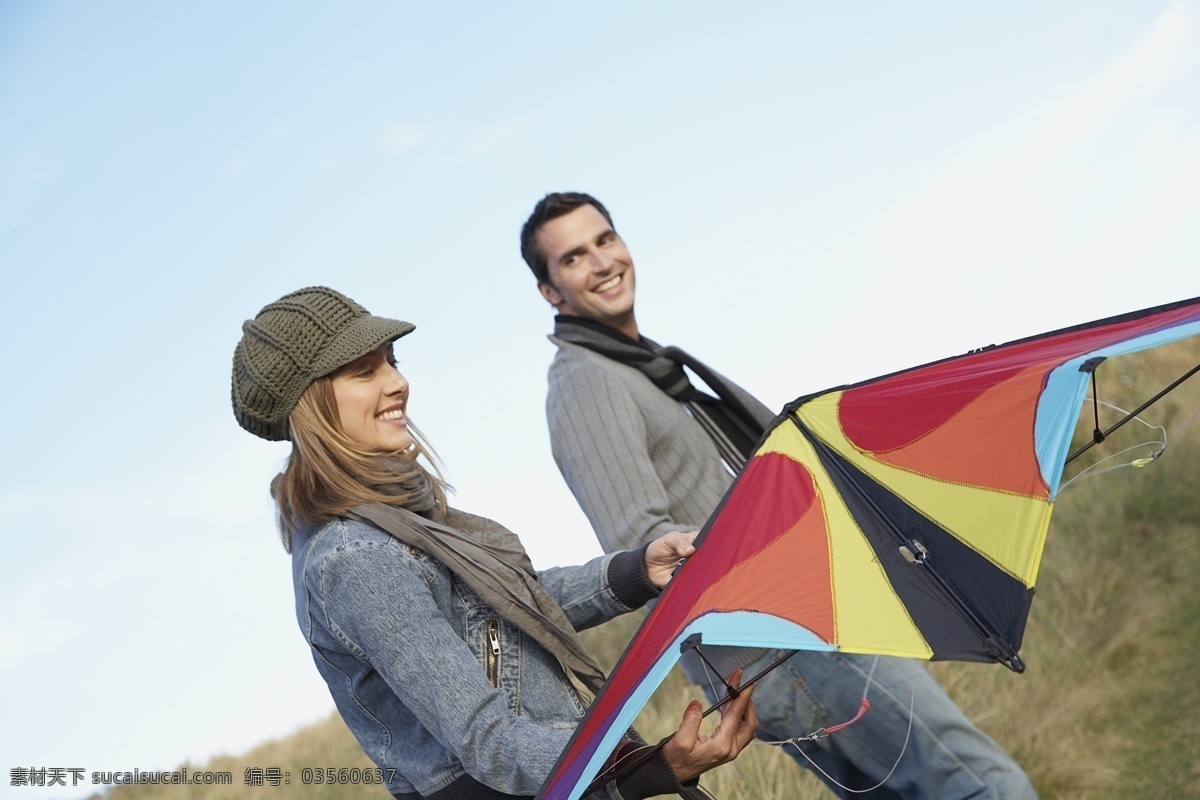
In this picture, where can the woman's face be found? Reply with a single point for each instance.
(371, 397)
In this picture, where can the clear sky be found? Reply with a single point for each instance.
(814, 193)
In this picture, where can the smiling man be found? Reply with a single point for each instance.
(592, 270)
(646, 452)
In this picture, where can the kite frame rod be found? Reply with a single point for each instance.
(732, 693)
(1104, 434)
(651, 750)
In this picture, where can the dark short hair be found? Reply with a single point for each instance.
(552, 206)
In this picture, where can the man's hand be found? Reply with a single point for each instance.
(664, 554)
(691, 754)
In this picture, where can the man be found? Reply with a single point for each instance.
(646, 452)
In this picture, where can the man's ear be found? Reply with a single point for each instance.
(551, 295)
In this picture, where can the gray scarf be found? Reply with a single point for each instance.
(730, 425)
(491, 560)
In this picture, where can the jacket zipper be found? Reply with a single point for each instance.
(493, 656)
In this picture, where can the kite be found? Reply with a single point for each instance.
(904, 515)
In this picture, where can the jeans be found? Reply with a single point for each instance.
(945, 757)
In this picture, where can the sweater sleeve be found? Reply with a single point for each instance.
(599, 441)
(603, 588)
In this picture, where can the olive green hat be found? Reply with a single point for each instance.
(292, 342)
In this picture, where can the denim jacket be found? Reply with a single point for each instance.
(433, 682)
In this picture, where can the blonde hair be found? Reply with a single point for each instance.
(328, 473)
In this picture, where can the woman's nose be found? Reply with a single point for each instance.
(397, 383)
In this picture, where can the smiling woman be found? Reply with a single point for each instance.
(397, 593)
(371, 395)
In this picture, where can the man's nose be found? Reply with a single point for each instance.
(602, 261)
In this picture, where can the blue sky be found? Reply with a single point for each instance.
(813, 195)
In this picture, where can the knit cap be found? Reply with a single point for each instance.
(292, 342)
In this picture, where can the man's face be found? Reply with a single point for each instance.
(591, 272)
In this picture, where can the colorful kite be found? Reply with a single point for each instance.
(904, 515)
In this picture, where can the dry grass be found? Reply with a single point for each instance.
(326, 744)
(1108, 708)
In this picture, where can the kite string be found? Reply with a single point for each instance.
(824, 732)
(1162, 444)
(1096, 469)
(812, 737)
(1179, 430)
(1099, 436)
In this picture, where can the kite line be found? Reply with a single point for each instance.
(1099, 436)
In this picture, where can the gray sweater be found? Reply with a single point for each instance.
(636, 461)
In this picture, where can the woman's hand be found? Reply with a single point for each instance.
(691, 754)
(664, 554)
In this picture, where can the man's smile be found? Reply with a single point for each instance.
(611, 283)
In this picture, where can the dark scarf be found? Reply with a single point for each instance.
(733, 429)
(491, 560)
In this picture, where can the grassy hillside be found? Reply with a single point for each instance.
(1109, 706)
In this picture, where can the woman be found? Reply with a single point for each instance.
(446, 654)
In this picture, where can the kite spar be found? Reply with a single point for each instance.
(904, 515)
